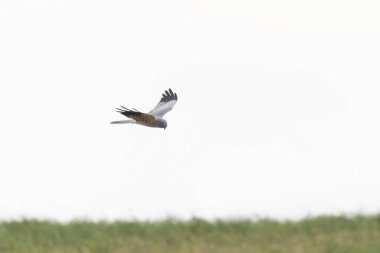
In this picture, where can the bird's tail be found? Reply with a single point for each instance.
(130, 121)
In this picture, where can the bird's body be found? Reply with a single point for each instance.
(154, 117)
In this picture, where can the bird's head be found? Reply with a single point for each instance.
(161, 123)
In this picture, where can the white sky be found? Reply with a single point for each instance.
(278, 111)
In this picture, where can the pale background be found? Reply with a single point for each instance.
(278, 111)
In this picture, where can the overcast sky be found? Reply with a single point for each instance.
(278, 110)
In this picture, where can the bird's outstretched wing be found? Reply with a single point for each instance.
(136, 115)
(167, 102)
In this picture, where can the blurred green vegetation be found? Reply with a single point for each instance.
(330, 234)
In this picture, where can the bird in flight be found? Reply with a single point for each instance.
(152, 118)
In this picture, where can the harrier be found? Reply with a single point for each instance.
(152, 118)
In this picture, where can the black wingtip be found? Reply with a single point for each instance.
(169, 95)
(174, 95)
(122, 109)
(128, 112)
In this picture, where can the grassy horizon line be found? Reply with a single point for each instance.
(251, 218)
(326, 233)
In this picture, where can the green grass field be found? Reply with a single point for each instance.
(330, 234)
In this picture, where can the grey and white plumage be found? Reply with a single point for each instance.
(152, 118)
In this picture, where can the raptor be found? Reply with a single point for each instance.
(154, 118)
